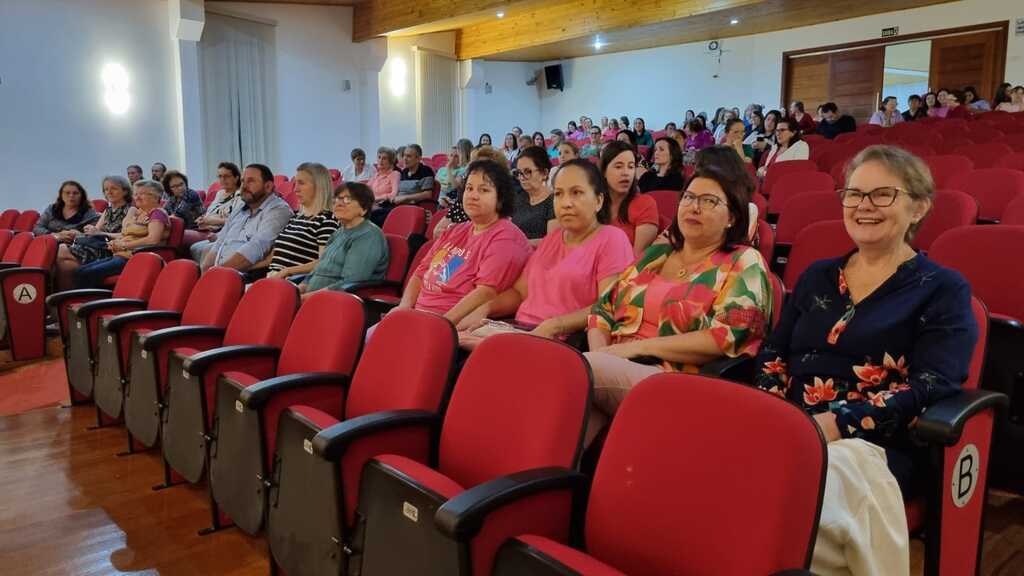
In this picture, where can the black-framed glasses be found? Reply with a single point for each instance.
(524, 174)
(879, 197)
(705, 201)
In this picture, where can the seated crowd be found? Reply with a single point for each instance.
(575, 251)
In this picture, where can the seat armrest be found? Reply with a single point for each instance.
(156, 338)
(462, 517)
(738, 369)
(90, 308)
(8, 265)
(84, 293)
(371, 284)
(258, 394)
(330, 443)
(199, 363)
(4, 272)
(943, 422)
(1002, 321)
(117, 322)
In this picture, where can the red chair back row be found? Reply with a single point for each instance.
(993, 188)
(16, 247)
(26, 221)
(7, 218)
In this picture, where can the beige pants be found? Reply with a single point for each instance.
(614, 377)
(863, 527)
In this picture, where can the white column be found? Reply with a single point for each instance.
(187, 18)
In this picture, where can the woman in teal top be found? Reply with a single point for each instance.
(357, 251)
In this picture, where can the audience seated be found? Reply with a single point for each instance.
(734, 137)
(636, 214)
(723, 120)
(384, 182)
(359, 170)
(643, 137)
(300, 244)
(915, 109)
(803, 119)
(157, 171)
(788, 145)
(357, 251)
(524, 143)
(762, 145)
(91, 244)
(485, 140)
(1016, 102)
(224, 203)
(534, 211)
(68, 215)
(955, 107)
(249, 232)
(755, 127)
(510, 147)
(455, 214)
(866, 343)
(592, 149)
(887, 115)
(939, 109)
(145, 224)
(537, 139)
(701, 295)
(972, 101)
(557, 137)
(182, 201)
(833, 123)
(611, 131)
(134, 173)
(667, 171)
(472, 262)
(450, 175)
(572, 130)
(416, 183)
(1002, 94)
(697, 139)
(570, 267)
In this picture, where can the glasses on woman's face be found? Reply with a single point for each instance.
(523, 174)
(344, 200)
(782, 129)
(705, 201)
(879, 197)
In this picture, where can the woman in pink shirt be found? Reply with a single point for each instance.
(385, 182)
(474, 261)
(570, 267)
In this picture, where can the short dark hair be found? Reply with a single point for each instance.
(798, 105)
(723, 165)
(675, 153)
(83, 206)
(265, 174)
(359, 192)
(696, 125)
(597, 183)
(162, 165)
(732, 122)
(480, 141)
(913, 97)
(794, 127)
(230, 167)
(358, 153)
(415, 148)
(631, 135)
(958, 94)
(501, 179)
(136, 166)
(166, 180)
(515, 141)
(672, 124)
(608, 154)
(538, 156)
(972, 90)
(830, 107)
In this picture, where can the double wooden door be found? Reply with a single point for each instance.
(850, 78)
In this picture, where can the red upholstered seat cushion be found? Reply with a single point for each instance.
(426, 476)
(242, 378)
(570, 557)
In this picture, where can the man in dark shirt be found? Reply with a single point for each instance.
(416, 183)
(832, 124)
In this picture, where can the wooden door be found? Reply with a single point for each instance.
(976, 59)
(808, 81)
(856, 85)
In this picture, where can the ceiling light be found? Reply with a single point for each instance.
(598, 44)
(734, 21)
(500, 14)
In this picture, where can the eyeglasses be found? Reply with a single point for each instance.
(344, 200)
(781, 129)
(706, 201)
(879, 197)
(524, 174)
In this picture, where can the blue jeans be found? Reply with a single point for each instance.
(93, 273)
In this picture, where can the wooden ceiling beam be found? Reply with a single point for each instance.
(374, 18)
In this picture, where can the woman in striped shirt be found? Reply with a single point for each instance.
(298, 247)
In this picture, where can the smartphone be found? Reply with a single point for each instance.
(760, 138)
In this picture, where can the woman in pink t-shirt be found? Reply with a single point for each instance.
(634, 213)
(570, 267)
(474, 261)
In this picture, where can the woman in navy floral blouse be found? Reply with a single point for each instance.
(870, 340)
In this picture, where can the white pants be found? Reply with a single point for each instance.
(863, 527)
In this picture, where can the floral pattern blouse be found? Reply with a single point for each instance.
(729, 295)
(876, 364)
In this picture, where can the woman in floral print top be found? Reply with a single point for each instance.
(868, 341)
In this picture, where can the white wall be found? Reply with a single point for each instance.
(661, 83)
(511, 101)
(54, 125)
(397, 85)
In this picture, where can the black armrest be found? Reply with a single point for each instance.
(153, 248)
(462, 516)
(198, 364)
(258, 394)
(1003, 322)
(114, 324)
(367, 284)
(6, 265)
(739, 369)
(157, 337)
(943, 422)
(85, 310)
(94, 293)
(330, 443)
(23, 270)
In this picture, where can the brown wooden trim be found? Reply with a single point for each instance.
(1004, 25)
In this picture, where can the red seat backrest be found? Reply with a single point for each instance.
(635, 505)
(1014, 213)
(26, 221)
(974, 371)
(1014, 141)
(950, 209)
(794, 184)
(919, 150)
(993, 188)
(762, 204)
(173, 286)
(177, 233)
(214, 298)
(15, 249)
(804, 210)
(398, 257)
(778, 169)
(41, 253)
(816, 242)
(420, 255)
(922, 138)
(326, 335)
(977, 253)
(982, 132)
(778, 297)
(264, 314)
(7, 218)
(765, 241)
(507, 416)
(99, 205)
(985, 155)
(405, 221)
(667, 201)
(945, 167)
(139, 276)
(5, 240)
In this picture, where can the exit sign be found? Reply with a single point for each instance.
(889, 32)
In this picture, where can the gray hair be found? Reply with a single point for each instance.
(122, 183)
(389, 153)
(911, 170)
(150, 186)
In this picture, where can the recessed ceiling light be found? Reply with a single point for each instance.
(598, 44)
(734, 21)
(500, 14)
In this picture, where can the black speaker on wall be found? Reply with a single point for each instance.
(553, 77)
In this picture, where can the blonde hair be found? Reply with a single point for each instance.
(489, 153)
(911, 170)
(322, 181)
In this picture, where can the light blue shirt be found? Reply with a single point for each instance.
(251, 233)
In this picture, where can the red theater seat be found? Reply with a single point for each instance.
(26, 221)
(950, 209)
(993, 188)
(815, 242)
(24, 299)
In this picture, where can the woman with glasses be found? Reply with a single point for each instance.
(357, 251)
(699, 296)
(182, 201)
(534, 211)
(866, 343)
(592, 149)
(788, 146)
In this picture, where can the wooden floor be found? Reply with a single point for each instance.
(69, 506)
